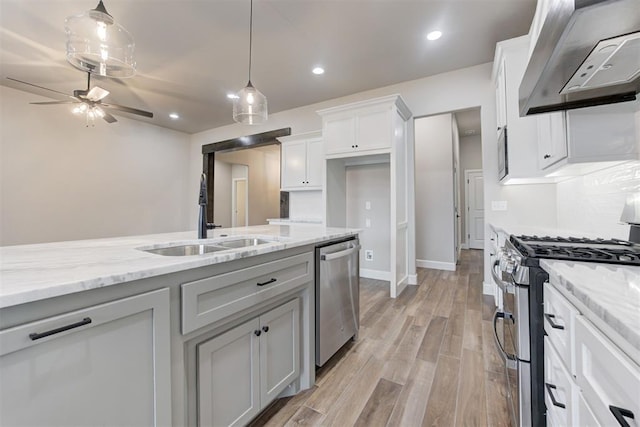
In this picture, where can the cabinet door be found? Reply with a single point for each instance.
(373, 129)
(104, 365)
(339, 133)
(552, 140)
(228, 377)
(315, 160)
(501, 97)
(279, 349)
(294, 164)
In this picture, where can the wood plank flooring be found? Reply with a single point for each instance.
(426, 358)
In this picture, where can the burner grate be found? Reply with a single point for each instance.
(611, 251)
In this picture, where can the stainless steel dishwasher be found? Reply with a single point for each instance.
(337, 296)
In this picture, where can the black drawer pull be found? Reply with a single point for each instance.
(38, 335)
(620, 413)
(257, 332)
(550, 318)
(265, 328)
(267, 282)
(553, 398)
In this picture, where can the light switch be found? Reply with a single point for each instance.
(367, 222)
(498, 205)
(367, 205)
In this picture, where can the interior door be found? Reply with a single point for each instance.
(240, 203)
(475, 208)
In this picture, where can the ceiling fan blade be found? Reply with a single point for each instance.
(53, 102)
(128, 110)
(96, 94)
(41, 87)
(108, 117)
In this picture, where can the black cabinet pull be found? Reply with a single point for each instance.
(546, 156)
(257, 332)
(620, 414)
(38, 335)
(265, 328)
(553, 398)
(550, 318)
(267, 282)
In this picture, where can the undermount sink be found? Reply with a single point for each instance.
(207, 248)
(185, 250)
(244, 242)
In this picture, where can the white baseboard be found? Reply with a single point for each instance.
(375, 274)
(413, 279)
(437, 265)
(464, 246)
(400, 287)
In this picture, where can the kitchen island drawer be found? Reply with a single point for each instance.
(213, 298)
(609, 380)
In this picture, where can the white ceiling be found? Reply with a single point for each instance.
(191, 53)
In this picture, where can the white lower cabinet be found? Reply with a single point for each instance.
(610, 382)
(103, 365)
(242, 370)
(589, 381)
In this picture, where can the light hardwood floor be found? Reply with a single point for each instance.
(426, 358)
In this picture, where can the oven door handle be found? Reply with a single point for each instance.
(510, 359)
(501, 283)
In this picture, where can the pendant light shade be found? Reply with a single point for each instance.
(99, 45)
(250, 105)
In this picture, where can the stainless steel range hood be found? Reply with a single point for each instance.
(587, 54)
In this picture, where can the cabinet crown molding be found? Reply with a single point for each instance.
(390, 99)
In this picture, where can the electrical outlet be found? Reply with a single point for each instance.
(367, 205)
(367, 222)
(368, 255)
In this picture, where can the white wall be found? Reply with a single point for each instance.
(370, 183)
(435, 246)
(60, 180)
(470, 158)
(592, 204)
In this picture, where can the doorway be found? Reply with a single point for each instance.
(474, 191)
(239, 202)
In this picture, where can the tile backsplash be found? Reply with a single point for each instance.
(592, 204)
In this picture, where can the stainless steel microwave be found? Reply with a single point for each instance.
(503, 157)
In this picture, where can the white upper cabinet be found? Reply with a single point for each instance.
(302, 161)
(595, 138)
(522, 132)
(361, 128)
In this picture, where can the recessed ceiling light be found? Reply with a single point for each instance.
(232, 96)
(434, 35)
(318, 70)
(174, 116)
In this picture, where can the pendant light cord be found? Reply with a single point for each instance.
(250, 37)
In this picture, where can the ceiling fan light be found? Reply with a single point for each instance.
(250, 107)
(99, 45)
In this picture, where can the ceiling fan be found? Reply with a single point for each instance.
(89, 102)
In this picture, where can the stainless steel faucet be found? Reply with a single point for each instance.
(203, 225)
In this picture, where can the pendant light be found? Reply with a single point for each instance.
(250, 106)
(98, 45)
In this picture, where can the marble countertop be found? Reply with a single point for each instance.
(610, 292)
(39, 271)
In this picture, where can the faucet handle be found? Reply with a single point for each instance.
(211, 226)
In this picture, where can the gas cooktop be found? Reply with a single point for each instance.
(612, 251)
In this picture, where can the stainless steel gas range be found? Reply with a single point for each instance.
(519, 325)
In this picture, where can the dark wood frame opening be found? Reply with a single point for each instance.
(250, 141)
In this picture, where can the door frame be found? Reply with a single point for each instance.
(234, 182)
(467, 217)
